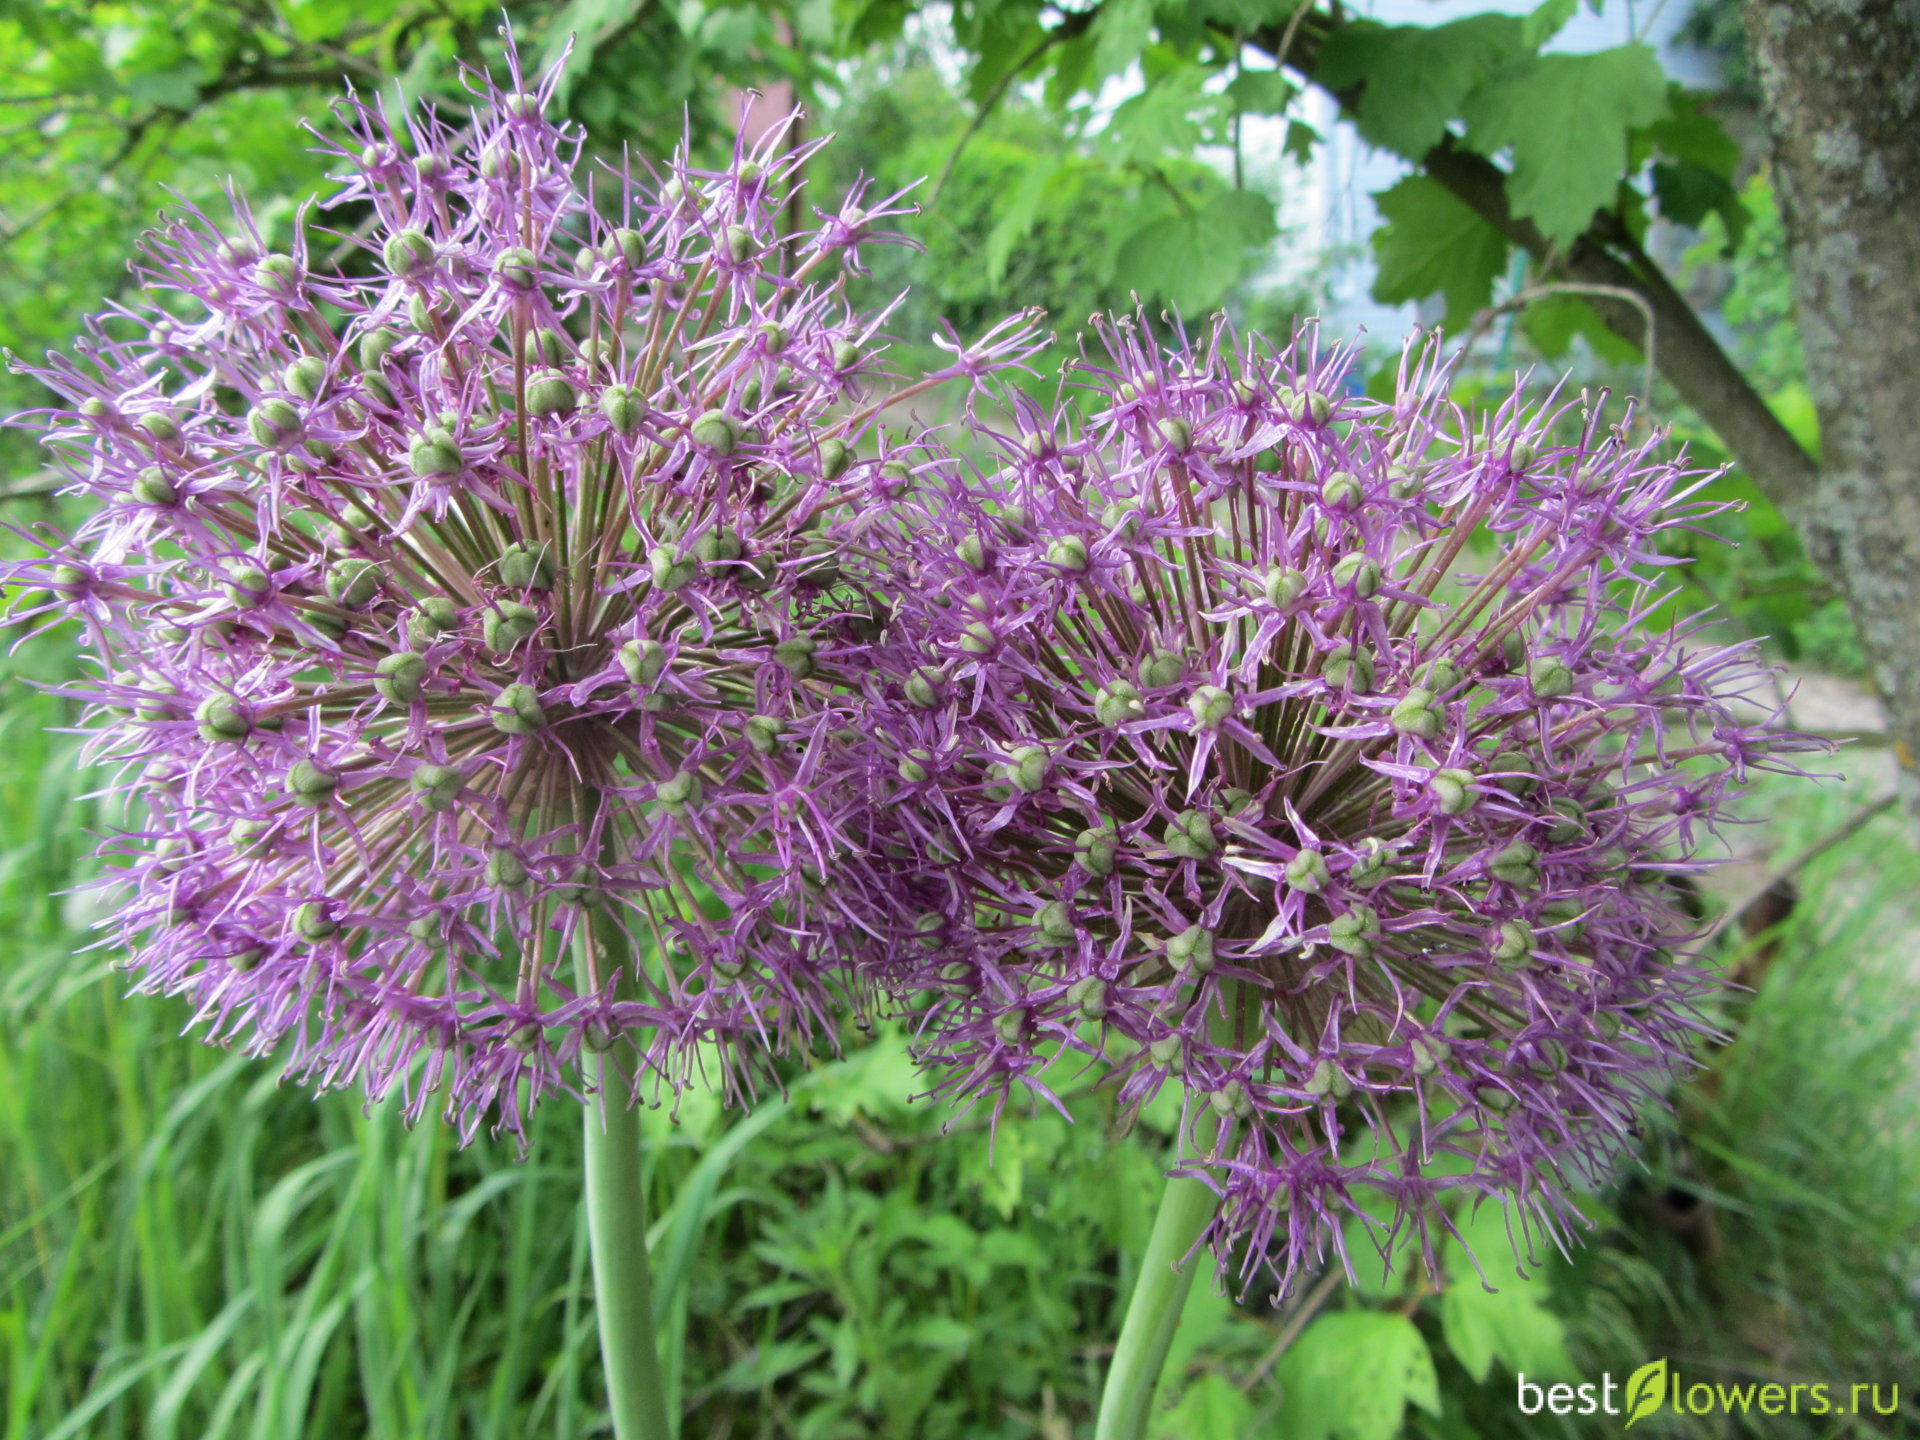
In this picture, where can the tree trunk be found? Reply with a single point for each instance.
(1841, 80)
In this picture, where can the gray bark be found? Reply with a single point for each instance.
(1841, 81)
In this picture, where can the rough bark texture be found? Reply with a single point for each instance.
(1841, 80)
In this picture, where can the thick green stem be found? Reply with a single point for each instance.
(1153, 1312)
(622, 1288)
(617, 1234)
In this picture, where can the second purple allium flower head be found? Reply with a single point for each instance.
(1327, 759)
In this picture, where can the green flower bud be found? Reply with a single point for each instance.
(1355, 932)
(1121, 518)
(245, 960)
(307, 784)
(525, 567)
(1371, 868)
(1010, 1025)
(1055, 924)
(835, 457)
(1327, 1082)
(1177, 434)
(923, 688)
(422, 316)
(623, 408)
(408, 253)
(1569, 822)
(1015, 518)
(1341, 490)
(434, 617)
(305, 376)
(1360, 571)
(429, 167)
(1161, 669)
(716, 431)
(1089, 996)
(1430, 1052)
(1117, 702)
(846, 355)
(221, 717)
(1517, 865)
(250, 839)
(313, 921)
(436, 787)
(517, 268)
(1191, 949)
(1550, 677)
(978, 638)
(795, 656)
(249, 587)
(274, 424)
(630, 246)
(543, 346)
(1348, 667)
(159, 428)
(426, 930)
(1453, 791)
(551, 393)
(677, 793)
(1097, 850)
(1169, 1053)
(1441, 676)
(507, 625)
(433, 453)
(1210, 706)
(1280, 586)
(671, 572)
(738, 241)
(352, 584)
(152, 487)
(915, 766)
(1026, 768)
(1191, 836)
(1522, 780)
(95, 409)
(1513, 944)
(1317, 407)
(375, 346)
(1519, 457)
(716, 546)
(400, 676)
(1069, 552)
(643, 660)
(974, 553)
(1494, 1097)
(1403, 484)
(1415, 714)
(1513, 649)
(506, 870)
(1308, 871)
(516, 710)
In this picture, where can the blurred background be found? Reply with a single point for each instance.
(188, 1249)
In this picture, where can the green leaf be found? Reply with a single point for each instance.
(1646, 1391)
(1417, 76)
(1511, 1323)
(1260, 92)
(1301, 139)
(1432, 243)
(1012, 225)
(1547, 20)
(1210, 1409)
(1565, 118)
(1552, 322)
(1351, 1376)
(1120, 33)
(1690, 134)
(1190, 258)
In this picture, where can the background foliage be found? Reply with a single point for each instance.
(187, 1249)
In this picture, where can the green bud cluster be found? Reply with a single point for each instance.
(1191, 836)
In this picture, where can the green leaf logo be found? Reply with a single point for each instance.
(1646, 1391)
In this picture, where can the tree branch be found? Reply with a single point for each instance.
(1690, 359)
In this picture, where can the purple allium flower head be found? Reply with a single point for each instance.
(1328, 759)
(468, 602)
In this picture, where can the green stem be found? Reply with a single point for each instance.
(1153, 1312)
(617, 1233)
